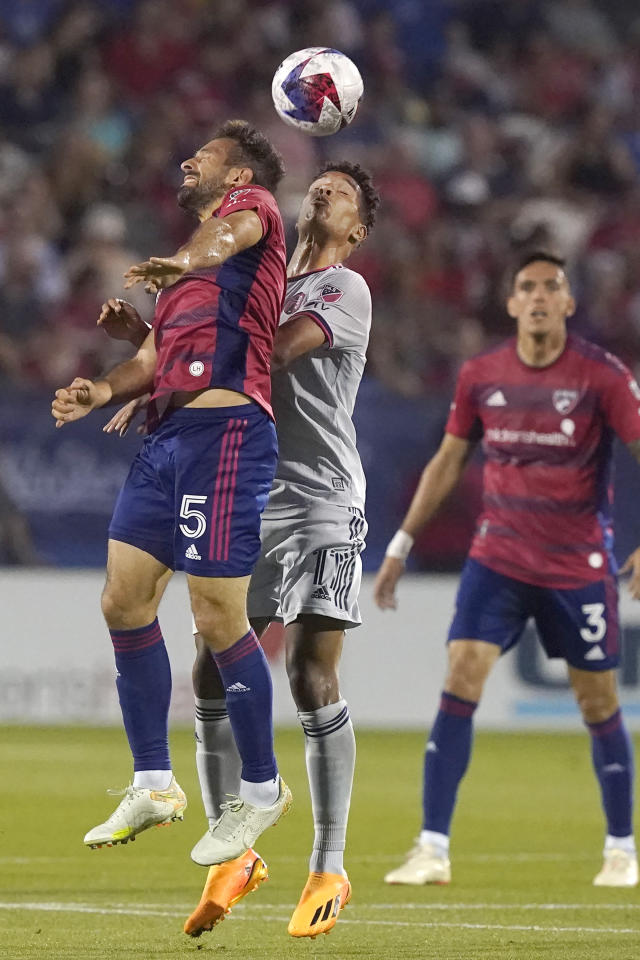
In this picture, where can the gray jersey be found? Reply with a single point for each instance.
(313, 398)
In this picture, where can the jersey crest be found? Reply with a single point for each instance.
(565, 400)
(236, 195)
(330, 294)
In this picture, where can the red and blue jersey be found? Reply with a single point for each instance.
(215, 327)
(547, 435)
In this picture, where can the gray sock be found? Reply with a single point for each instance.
(217, 758)
(330, 749)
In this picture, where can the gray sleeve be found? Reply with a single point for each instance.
(341, 304)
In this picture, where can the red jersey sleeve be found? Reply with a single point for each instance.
(620, 400)
(257, 199)
(463, 419)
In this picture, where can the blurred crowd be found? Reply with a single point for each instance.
(490, 125)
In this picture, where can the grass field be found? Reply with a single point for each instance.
(527, 844)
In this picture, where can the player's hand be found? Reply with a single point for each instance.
(79, 399)
(384, 590)
(632, 566)
(157, 273)
(121, 421)
(121, 321)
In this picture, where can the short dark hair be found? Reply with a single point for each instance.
(533, 256)
(369, 196)
(252, 150)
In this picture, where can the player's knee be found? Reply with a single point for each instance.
(119, 609)
(219, 625)
(466, 675)
(596, 706)
(312, 684)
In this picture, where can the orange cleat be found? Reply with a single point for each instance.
(227, 883)
(324, 896)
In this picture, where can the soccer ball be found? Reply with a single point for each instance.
(317, 90)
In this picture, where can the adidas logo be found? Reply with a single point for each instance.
(320, 594)
(613, 768)
(497, 399)
(238, 688)
(432, 747)
(191, 553)
(329, 909)
(594, 654)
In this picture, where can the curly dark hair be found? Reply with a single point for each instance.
(369, 196)
(253, 150)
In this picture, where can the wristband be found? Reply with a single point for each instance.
(400, 545)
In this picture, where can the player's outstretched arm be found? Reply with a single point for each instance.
(122, 420)
(439, 478)
(121, 321)
(78, 399)
(126, 381)
(213, 242)
(294, 338)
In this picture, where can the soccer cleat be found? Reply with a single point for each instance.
(620, 869)
(422, 866)
(226, 884)
(324, 896)
(139, 809)
(238, 828)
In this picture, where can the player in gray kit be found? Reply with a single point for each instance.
(313, 531)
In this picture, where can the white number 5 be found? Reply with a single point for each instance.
(197, 515)
(597, 625)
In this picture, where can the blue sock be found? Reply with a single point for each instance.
(248, 691)
(612, 756)
(144, 689)
(446, 760)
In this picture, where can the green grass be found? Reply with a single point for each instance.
(527, 844)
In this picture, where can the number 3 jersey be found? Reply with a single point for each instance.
(313, 398)
(547, 435)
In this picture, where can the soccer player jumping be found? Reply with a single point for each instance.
(196, 490)
(546, 405)
(313, 531)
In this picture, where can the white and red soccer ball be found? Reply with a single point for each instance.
(317, 90)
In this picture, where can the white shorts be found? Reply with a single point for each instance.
(310, 564)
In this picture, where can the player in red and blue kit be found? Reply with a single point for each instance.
(197, 488)
(546, 405)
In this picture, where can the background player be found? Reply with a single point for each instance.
(546, 404)
(195, 492)
(313, 531)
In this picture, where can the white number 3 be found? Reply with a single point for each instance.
(597, 625)
(197, 515)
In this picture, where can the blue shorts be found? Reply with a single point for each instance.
(580, 625)
(196, 490)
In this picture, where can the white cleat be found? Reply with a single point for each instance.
(139, 809)
(422, 866)
(620, 869)
(238, 828)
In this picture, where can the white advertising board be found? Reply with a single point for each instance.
(56, 661)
